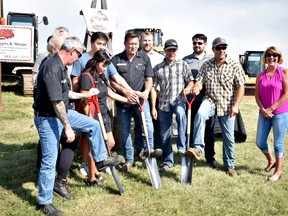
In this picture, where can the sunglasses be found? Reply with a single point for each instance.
(78, 53)
(272, 54)
(220, 48)
(199, 43)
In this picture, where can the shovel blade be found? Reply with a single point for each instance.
(151, 165)
(117, 180)
(187, 163)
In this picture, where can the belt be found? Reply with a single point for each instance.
(42, 114)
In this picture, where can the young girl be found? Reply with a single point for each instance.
(93, 76)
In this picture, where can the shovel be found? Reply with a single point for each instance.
(113, 170)
(151, 163)
(187, 161)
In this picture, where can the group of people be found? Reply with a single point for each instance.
(162, 83)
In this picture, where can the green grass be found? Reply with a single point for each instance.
(211, 193)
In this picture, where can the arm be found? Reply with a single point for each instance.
(284, 96)
(153, 97)
(116, 96)
(83, 94)
(239, 95)
(148, 86)
(188, 88)
(130, 94)
(197, 87)
(60, 111)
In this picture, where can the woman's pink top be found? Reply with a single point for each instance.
(270, 90)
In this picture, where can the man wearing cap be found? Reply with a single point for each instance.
(224, 79)
(174, 78)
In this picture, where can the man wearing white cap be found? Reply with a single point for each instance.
(224, 79)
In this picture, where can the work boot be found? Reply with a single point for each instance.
(61, 190)
(49, 209)
(194, 152)
(110, 161)
(156, 153)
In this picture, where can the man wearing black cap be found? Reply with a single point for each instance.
(224, 79)
(174, 78)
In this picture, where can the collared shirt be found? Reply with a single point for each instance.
(155, 57)
(52, 85)
(221, 83)
(172, 79)
(195, 65)
(134, 72)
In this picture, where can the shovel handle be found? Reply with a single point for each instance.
(100, 119)
(189, 103)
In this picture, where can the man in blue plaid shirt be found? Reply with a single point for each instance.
(224, 80)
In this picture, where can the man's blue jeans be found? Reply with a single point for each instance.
(165, 119)
(227, 124)
(124, 115)
(50, 129)
(279, 124)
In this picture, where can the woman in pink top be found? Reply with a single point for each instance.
(271, 94)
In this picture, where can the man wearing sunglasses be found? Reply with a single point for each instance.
(195, 61)
(224, 79)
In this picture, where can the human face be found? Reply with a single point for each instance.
(101, 67)
(131, 46)
(198, 46)
(220, 52)
(147, 43)
(272, 58)
(75, 55)
(170, 55)
(99, 44)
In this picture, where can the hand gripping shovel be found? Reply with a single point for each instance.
(187, 161)
(113, 170)
(150, 162)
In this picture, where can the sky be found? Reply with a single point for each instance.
(245, 24)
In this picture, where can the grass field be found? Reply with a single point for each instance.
(211, 193)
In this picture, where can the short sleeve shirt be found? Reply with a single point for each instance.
(134, 72)
(172, 79)
(221, 83)
(52, 85)
(80, 64)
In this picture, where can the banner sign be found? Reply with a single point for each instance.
(16, 43)
(100, 20)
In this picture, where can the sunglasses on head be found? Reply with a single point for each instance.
(272, 54)
(218, 48)
(199, 43)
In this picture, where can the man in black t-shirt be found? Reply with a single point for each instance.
(52, 116)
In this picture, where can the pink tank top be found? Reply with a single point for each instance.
(271, 90)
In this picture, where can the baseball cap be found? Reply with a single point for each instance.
(219, 41)
(171, 44)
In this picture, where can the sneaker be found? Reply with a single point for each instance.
(49, 209)
(164, 169)
(108, 171)
(232, 172)
(181, 152)
(84, 169)
(194, 152)
(110, 161)
(156, 153)
(127, 167)
(98, 181)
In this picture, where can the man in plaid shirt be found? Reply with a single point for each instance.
(174, 78)
(224, 79)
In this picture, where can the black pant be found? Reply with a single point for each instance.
(209, 132)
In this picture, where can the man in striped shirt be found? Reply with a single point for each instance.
(174, 78)
(224, 80)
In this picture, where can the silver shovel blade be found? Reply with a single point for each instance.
(151, 165)
(187, 163)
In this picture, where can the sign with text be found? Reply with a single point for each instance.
(16, 43)
(100, 20)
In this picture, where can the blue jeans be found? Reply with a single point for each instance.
(50, 129)
(124, 115)
(279, 124)
(227, 124)
(165, 119)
